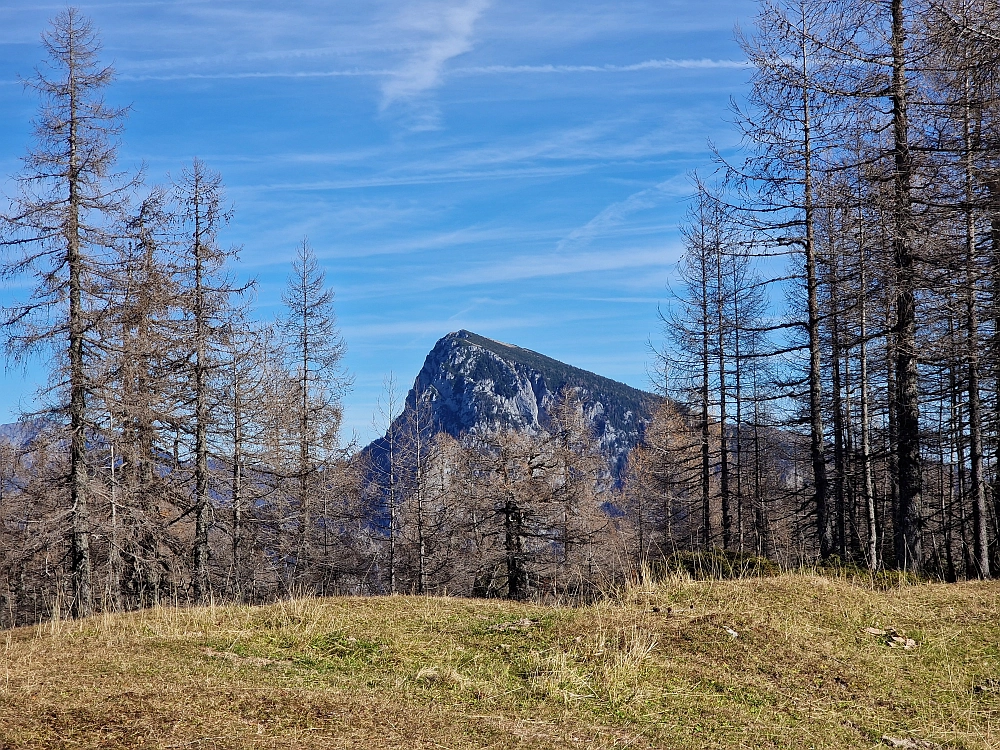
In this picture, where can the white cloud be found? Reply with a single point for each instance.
(666, 64)
(428, 178)
(447, 31)
(251, 75)
(521, 268)
(619, 212)
(425, 69)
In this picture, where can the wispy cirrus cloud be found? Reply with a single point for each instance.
(430, 178)
(447, 29)
(417, 78)
(664, 64)
(252, 75)
(522, 268)
(618, 213)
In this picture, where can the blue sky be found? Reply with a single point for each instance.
(514, 167)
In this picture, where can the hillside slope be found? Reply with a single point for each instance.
(656, 668)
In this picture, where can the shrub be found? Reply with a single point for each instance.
(717, 563)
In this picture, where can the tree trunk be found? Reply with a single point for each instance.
(909, 554)
(83, 598)
(727, 513)
(816, 447)
(202, 508)
(517, 579)
(981, 546)
(867, 482)
(706, 461)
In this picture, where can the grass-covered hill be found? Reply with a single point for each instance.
(792, 662)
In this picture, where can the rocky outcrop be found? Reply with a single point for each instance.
(471, 383)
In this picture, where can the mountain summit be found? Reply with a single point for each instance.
(471, 383)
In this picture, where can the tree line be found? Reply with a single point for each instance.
(164, 396)
(831, 362)
(836, 331)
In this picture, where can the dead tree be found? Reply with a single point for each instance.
(62, 221)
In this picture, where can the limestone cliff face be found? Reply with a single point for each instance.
(471, 383)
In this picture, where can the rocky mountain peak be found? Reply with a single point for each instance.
(471, 383)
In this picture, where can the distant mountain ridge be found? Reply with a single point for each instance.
(19, 434)
(472, 383)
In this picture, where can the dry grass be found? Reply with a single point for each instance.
(768, 663)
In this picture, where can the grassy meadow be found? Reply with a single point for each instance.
(793, 661)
